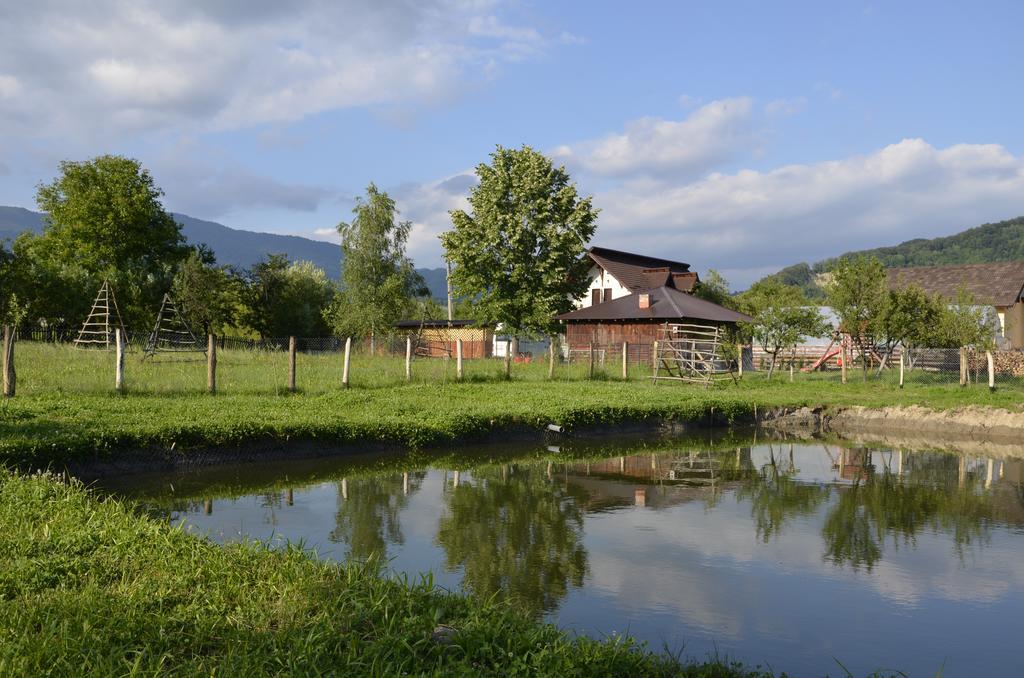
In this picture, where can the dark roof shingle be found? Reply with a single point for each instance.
(997, 284)
(636, 271)
(666, 303)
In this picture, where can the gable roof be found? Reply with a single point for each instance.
(636, 271)
(998, 284)
(666, 303)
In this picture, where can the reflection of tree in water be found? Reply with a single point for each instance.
(367, 520)
(515, 534)
(775, 497)
(884, 505)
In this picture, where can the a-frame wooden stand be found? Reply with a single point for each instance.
(171, 334)
(98, 329)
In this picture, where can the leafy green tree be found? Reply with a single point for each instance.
(378, 281)
(519, 254)
(515, 533)
(715, 288)
(909, 317)
(287, 299)
(966, 323)
(208, 295)
(781, 317)
(106, 215)
(858, 293)
(50, 291)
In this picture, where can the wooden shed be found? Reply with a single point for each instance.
(437, 338)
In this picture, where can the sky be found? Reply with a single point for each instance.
(739, 136)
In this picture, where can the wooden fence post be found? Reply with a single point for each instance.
(211, 364)
(291, 363)
(10, 376)
(458, 359)
(625, 361)
(739, 363)
(118, 360)
(991, 371)
(844, 358)
(408, 358)
(792, 359)
(654, 359)
(963, 366)
(591, 374)
(902, 362)
(508, 358)
(551, 358)
(347, 362)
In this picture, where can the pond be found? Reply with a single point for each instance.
(795, 554)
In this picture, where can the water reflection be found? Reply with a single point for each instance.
(517, 532)
(753, 549)
(367, 519)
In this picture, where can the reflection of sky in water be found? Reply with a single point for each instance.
(690, 569)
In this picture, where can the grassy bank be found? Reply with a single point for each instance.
(56, 427)
(89, 588)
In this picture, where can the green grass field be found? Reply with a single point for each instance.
(66, 407)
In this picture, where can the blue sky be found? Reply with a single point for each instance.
(736, 136)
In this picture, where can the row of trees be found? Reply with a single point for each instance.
(876, 317)
(517, 258)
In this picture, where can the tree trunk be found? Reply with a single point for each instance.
(771, 367)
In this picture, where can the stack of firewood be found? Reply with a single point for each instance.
(1006, 363)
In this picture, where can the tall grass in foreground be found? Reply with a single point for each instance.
(89, 588)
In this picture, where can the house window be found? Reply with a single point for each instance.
(595, 297)
(607, 294)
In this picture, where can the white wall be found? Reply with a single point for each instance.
(601, 279)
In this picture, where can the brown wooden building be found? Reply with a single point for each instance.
(639, 296)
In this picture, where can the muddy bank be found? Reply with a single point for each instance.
(971, 430)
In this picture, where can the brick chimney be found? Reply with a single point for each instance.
(645, 300)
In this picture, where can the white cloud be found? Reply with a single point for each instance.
(714, 133)
(427, 206)
(751, 221)
(112, 67)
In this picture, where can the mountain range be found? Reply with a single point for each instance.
(232, 246)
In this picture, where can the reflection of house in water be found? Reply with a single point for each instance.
(854, 463)
(658, 480)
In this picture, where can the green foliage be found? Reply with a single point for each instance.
(519, 254)
(910, 317)
(714, 287)
(965, 323)
(287, 299)
(105, 215)
(781, 317)
(1001, 241)
(207, 295)
(378, 279)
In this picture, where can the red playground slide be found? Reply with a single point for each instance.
(822, 360)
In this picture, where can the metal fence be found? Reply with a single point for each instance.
(47, 363)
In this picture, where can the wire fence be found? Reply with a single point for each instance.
(47, 362)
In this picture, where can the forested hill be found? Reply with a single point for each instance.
(232, 246)
(1002, 241)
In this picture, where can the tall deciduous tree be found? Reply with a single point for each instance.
(519, 253)
(857, 293)
(378, 280)
(286, 299)
(106, 215)
(207, 294)
(782, 315)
